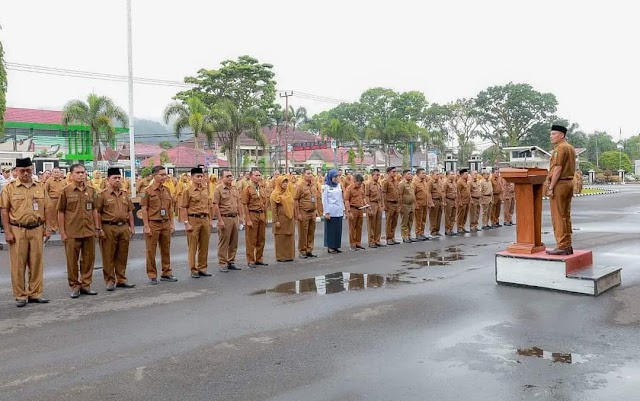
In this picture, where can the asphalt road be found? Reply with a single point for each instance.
(433, 326)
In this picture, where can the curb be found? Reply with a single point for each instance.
(602, 192)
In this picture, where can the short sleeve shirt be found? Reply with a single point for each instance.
(407, 193)
(158, 201)
(226, 200)
(254, 197)
(114, 206)
(373, 191)
(24, 204)
(77, 204)
(354, 195)
(307, 196)
(564, 156)
(196, 200)
(390, 190)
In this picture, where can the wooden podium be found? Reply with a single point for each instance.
(528, 208)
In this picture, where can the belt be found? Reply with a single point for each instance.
(568, 178)
(450, 198)
(476, 197)
(310, 210)
(198, 215)
(390, 201)
(161, 220)
(114, 223)
(256, 211)
(27, 226)
(356, 207)
(230, 215)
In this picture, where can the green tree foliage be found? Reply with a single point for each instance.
(597, 143)
(614, 160)
(508, 112)
(165, 145)
(585, 166)
(492, 154)
(436, 118)
(3, 91)
(240, 94)
(98, 113)
(463, 123)
(191, 114)
(632, 147)
(164, 157)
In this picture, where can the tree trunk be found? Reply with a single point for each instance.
(96, 148)
(195, 140)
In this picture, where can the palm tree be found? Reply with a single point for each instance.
(192, 115)
(98, 113)
(230, 122)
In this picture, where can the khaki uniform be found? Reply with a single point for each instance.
(373, 196)
(159, 205)
(475, 187)
(435, 213)
(450, 206)
(486, 201)
(408, 196)
(115, 208)
(564, 156)
(464, 199)
(26, 209)
(53, 188)
(255, 199)
(77, 203)
(197, 207)
(391, 199)
(497, 200)
(577, 182)
(224, 197)
(509, 201)
(423, 198)
(355, 197)
(307, 196)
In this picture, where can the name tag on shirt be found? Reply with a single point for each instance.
(313, 199)
(163, 213)
(89, 206)
(35, 206)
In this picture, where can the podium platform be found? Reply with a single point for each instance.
(571, 273)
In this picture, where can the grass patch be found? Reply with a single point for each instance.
(591, 190)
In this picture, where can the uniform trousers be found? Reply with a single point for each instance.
(421, 219)
(560, 205)
(26, 252)
(306, 231)
(160, 235)
(435, 216)
(509, 205)
(487, 207)
(374, 223)
(227, 241)
(408, 213)
(198, 243)
(254, 236)
(495, 212)
(83, 250)
(392, 220)
(51, 214)
(355, 226)
(474, 212)
(449, 214)
(114, 247)
(462, 214)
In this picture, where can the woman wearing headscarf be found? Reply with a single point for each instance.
(283, 222)
(333, 205)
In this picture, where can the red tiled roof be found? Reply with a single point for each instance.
(18, 115)
(143, 150)
(182, 156)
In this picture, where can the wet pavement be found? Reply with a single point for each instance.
(422, 321)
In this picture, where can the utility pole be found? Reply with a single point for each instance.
(286, 96)
(597, 159)
(132, 152)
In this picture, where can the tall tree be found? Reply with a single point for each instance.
(463, 123)
(230, 122)
(191, 114)
(598, 143)
(508, 112)
(99, 113)
(435, 122)
(3, 91)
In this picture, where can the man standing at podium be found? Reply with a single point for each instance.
(560, 189)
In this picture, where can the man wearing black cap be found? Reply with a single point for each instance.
(23, 216)
(196, 211)
(560, 189)
(78, 220)
(115, 227)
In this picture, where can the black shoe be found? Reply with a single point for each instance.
(125, 285)
(557, 251)
(338, 250)
(360, 247)
(224, 269)
(152, 281)
(261, 264)
(87, 292)
(171, 278)
(38, 300)
(414, 239)
(303, 256)
(464, 231)
(391, 242)
(111, 287)
(21, 303)
(311, 255)
(195, 275)
(373, 246)
(231, 266)
(406, 241)
(332, 251)
(252, 265)
(74, 294)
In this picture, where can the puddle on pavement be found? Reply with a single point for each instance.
(442, 257)
(556, 357)
(334, 283)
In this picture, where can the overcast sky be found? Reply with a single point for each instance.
(586, 54)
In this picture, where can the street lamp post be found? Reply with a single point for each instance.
(620, 170)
